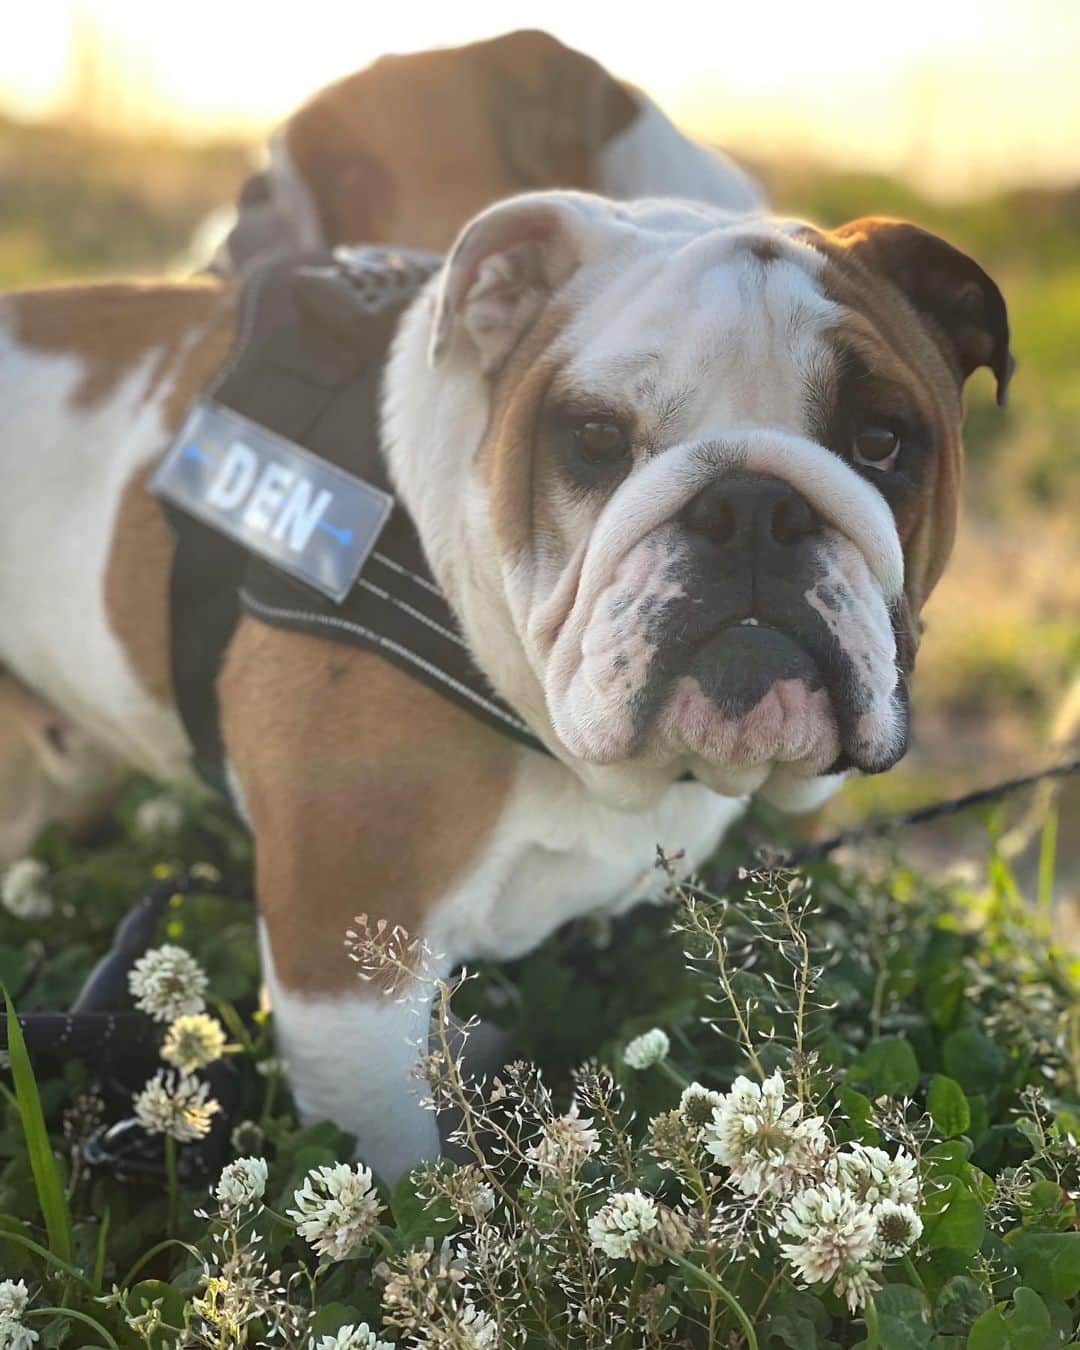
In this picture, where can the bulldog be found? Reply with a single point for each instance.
(404, 152)
(686, 478)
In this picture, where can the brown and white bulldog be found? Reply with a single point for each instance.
(402, 152)
(686, 478)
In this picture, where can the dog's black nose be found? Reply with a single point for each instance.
(751, 509)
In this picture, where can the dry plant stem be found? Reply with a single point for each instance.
(625, 1151)
(458, 1092)
(767, 1294)
(582, 1250)
(718, 943)
(456, 1087)
(802, 987)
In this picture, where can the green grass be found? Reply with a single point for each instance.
(948, 995)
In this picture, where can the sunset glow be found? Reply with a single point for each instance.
(959, 95)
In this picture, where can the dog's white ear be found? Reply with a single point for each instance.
(503, 269)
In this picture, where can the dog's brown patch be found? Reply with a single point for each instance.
(367, 792)
(112, 327)
(137, 586)
(506, 456)
(884, 328)
(137, 575)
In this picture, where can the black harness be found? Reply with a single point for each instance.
(312, 338)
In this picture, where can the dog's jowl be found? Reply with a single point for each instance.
(685, 479)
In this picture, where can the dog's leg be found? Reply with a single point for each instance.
(367, 794)
(351, 1057)
(51, 772)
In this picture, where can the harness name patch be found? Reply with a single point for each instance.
(277, 500)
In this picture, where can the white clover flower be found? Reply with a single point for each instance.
(273, 1066)
(241, 1183)
(855, 1283)
(622, 1223)
(247, 1138)
(477, 1330)
(336, 1209)
(352, 1338)
(167, 983)
(15, 1336)
(898, 1227)
(696, 1107)
(647, 1049)
(23, 892)
(14, 1297)
(564, 1143)
(158, 817)
(769, 1148)
(836, 1239)
(871, 1175)
(176, 1105)
(193, 1041)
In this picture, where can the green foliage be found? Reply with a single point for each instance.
(935, 1017)
(954, 1216)
(1025, 1326)
(1049, 1262)
(947, 1105)
(886, 1068)
(50, 1193)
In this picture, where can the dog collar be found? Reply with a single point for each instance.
(284, 451)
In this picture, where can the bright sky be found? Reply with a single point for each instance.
(961, 93)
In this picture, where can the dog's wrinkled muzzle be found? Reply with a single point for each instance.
(733, 608)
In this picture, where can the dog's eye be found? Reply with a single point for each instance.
(600, 443)
(876, 447)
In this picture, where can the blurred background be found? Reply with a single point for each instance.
(123, 125)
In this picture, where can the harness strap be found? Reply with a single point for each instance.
(312, 338)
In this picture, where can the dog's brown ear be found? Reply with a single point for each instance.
(504, 268)
(323, 169)
(552, 108)
(965, 309)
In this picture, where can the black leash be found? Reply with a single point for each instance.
(879, 829)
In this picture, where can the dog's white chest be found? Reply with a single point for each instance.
(558, 853)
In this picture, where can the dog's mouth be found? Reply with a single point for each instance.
(751, 693)
(725, 667)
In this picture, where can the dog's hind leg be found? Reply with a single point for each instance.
(367, 794)
(51, 772)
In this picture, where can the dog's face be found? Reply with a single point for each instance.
(719, 474)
